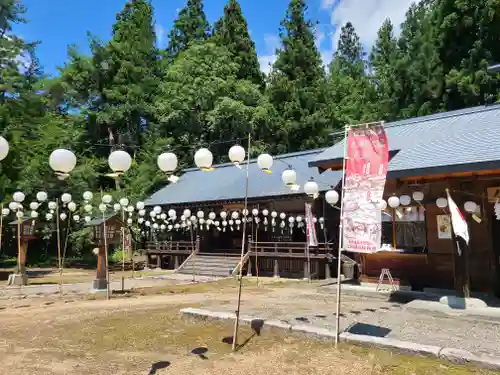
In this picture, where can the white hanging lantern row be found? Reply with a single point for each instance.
(289, 177)
(203, 159)
(237, 155)
(418, 196)
(311, 188)
(119, 161)
(41, 196)
(265, 162)
(62, 162)
(442, 202)
(405, 200)
(332, 197)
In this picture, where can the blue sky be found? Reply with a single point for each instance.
(59, 23)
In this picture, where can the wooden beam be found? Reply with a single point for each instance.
(442, 176)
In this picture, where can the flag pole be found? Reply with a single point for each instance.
(339, 261)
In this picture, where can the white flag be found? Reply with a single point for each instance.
(457, 220)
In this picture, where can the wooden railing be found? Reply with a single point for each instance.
(287, 249)
(172, 247)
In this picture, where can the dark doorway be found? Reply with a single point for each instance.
(495, 232)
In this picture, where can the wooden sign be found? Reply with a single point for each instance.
(493, 194)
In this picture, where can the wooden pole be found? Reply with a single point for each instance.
(339, 255)
(59, 248)
(123, 249)
(1, 226)
(394, 237)
(240, 278)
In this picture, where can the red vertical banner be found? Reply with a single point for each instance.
(312, 238)
(128, 242)
(367, 159)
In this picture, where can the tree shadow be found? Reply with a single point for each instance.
(158, 366)
(256, 325)
(368, 330)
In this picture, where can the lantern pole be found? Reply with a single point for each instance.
(339, 260)
(1, 225)
(123, 249)
(240, 278)
(59, 247)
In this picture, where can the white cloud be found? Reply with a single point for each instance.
(366, 16)
(271, 42)
(160, 34)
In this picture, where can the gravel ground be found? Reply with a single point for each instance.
(369, 316)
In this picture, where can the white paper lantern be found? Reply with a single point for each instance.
(291, 220)
(244, 212)
(393, 202)
(87, 219)
(157, 209)
(265, 162)
(382, 205)
(5, 211)
(66, 198)
(147, 223)
(123, 202)
(155, 225)
(441, 202)
(119, 161)
(200, 214)
(332, 197)
(405, 200)
(63, 216)
(177, 226)
(170, 227)
(34, 214)
(152, 214)
(163, 227)
(87, 208)
(298, 219)
(223, 215)
(289, 177)
(265, 212)
(52, 205)
(212, 215)
(172, 213)
(163, 216)
(107, 199)
(34, 205)
(76, 218)
(167, 162)
(88, 196)
(49, 216)
(72, 206)
(187, 213)
(140, 220)
(418, 196)
(18, 196)
(41, 196)
(142, 212)
(255, 212)
(130, 209)
(235, 215)
(193, 219)
(282, 216)
(102, 207)
(470, 206)
(140, 206)
(62, 161)
(311, 188)
(203, 158)
(274, 214)
(117, 207)
(237, 154)
(4, 148)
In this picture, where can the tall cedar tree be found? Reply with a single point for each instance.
(190, 26)
(126, 69)
(384, 59)
(351, 94)
(297, 81)
(231, 31)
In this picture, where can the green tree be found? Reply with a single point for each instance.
(231, 31)
(190, 26)
(297, 82)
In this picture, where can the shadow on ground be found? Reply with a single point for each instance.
(158, 366)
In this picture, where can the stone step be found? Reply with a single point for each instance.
(210, 265)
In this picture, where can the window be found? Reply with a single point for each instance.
(410, 229)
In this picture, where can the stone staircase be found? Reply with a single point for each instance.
(210, 265)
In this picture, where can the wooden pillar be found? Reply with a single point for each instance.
(306, 269)
(249, 270)
(176, 261)
(276, 262)
(158, 261)
(22, 256)
(100, 283)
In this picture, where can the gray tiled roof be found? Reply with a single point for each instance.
(455, 141)
(99, 220)
(227, 182)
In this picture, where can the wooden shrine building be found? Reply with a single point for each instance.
(458, 150)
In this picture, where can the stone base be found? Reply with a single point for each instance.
(462, 303)
(17, 279)
(99, 284)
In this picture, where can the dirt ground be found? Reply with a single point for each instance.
(146, 335)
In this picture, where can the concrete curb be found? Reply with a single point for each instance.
(449, 354)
